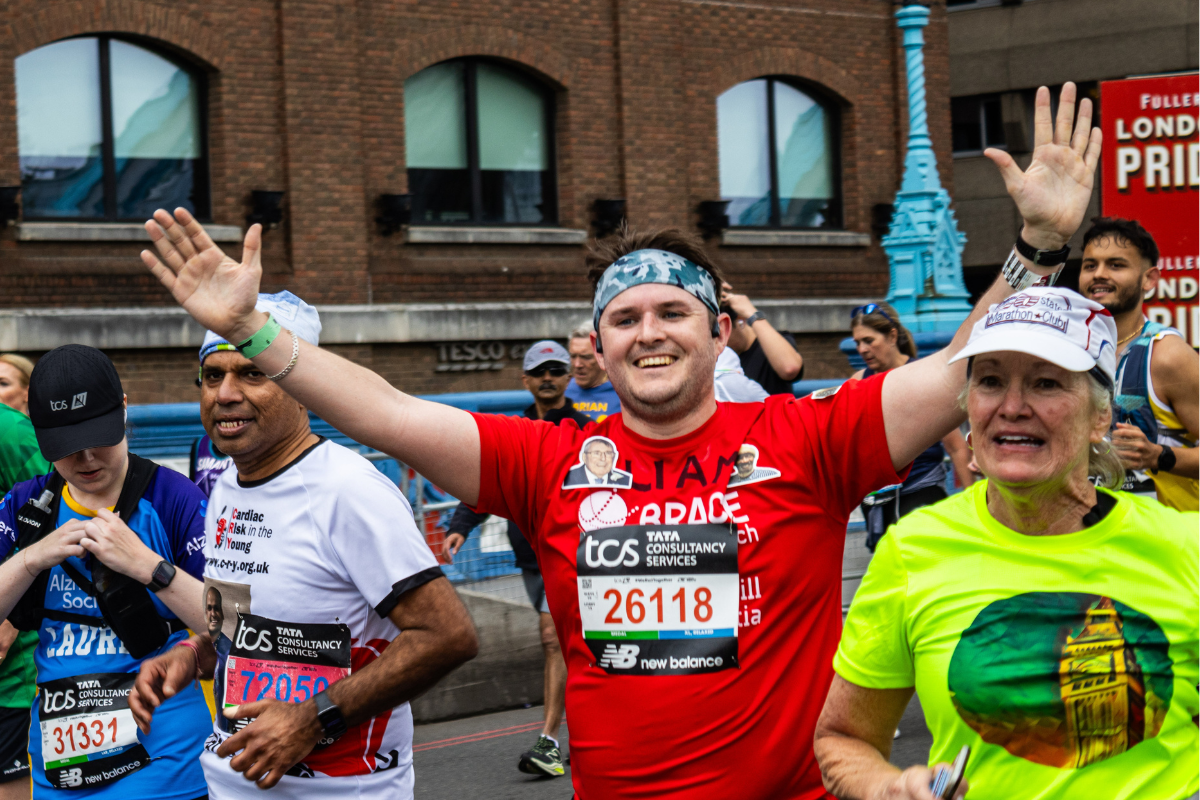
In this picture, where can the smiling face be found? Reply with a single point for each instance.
(244, 411)
(745, 463)
(1115, 274)
(213, 612)
(659, 351)
(14, 391)
(1032, 422)
(877, 349)
(599, 458)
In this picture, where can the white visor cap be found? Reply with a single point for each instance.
(1052, 323)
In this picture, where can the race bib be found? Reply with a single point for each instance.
(89, 738)
(286, 661)
(659, 600)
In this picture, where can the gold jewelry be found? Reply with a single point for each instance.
(1121, 342)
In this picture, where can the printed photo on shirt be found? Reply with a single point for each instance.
(223, 601)
(746, 469)
(598, 466)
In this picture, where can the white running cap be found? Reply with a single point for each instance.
(1052, 323)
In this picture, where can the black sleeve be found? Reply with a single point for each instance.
(465, 520)
(399, 588)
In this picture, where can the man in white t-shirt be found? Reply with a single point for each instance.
(328, 610)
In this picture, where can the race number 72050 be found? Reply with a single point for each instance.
(249, 680)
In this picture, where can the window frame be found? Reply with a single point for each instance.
(550, 204)
(202, 184)
(833, 113)
(982, 100)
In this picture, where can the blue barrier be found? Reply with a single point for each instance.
(167, 430)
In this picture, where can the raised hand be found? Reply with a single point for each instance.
(217, 291)
(1052, 194)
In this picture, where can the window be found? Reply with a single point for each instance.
(107, 129)
(478, 138)
(976, 123)
(778, 156)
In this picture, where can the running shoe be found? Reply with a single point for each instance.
(544, 759)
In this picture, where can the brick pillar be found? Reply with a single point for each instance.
(654, 119)
(326, 203)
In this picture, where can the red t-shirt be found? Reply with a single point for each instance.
(692, 673)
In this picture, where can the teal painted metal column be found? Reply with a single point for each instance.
(923, 244)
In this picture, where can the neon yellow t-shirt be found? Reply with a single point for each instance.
(1068, 663)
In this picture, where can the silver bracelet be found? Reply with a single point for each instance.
(1020, 278)
(295, 355)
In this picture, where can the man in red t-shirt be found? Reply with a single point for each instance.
(691, 550)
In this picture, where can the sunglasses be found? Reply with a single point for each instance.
(555, 372)
(870, 308)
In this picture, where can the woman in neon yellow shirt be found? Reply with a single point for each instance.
(1048, 624)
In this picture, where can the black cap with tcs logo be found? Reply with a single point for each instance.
(75, 401)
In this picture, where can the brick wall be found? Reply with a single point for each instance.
(307, 97)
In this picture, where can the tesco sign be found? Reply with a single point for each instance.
(1151, 172)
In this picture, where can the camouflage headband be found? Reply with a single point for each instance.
(654, 266)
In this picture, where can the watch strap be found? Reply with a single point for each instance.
(1020, 278)
(1043, 258)
(755, 317)
(1166, 459)
(333, 724)
(162, 576)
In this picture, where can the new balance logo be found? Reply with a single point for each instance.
(79, 401)
(619, 656)
(71, 778)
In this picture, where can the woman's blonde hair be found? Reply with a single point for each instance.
(1103, 464)
(23, 365)
(884, 319)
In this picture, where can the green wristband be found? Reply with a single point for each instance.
(260, 341)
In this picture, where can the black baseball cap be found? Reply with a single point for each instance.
(75, 401)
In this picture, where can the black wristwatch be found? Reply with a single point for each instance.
(164, 573)
(755, 317)
(333, 724)
(1166, 459)
(1043, 258)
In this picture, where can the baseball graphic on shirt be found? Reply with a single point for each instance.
(602, 510)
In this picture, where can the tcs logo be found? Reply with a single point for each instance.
(249, 638)
(595, 552)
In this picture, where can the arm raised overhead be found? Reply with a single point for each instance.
(440, 442)
(1052, 195)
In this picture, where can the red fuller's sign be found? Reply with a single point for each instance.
(1151, 173)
